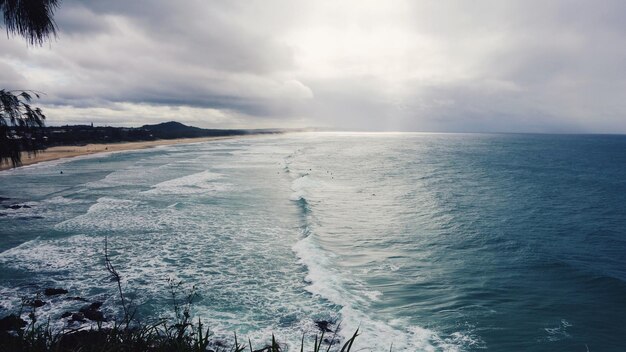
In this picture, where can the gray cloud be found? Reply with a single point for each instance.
(364, 65)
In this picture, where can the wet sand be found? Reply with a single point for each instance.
(61, 152)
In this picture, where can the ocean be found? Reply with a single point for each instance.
(429, 242)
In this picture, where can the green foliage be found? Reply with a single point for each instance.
(32, 19)
(20, 125)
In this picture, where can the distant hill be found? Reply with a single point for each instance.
(84, 134)
(170, 126)
(173, 129)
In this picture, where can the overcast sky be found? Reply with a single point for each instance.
(451, 66)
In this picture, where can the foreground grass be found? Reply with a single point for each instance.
(178, 333)
(159, 337)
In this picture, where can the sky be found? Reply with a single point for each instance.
(554, 66)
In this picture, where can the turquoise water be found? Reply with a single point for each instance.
(432, 242)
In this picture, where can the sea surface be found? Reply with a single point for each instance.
(429, 242)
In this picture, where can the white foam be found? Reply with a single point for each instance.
(559, 332)
(202, 182)
(239, 258)
(60, 200)
(113, 214)
(302, 186)
(326, 281)
(40, 255)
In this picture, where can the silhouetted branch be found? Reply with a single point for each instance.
(19, 124)
(31, 19)
(115, 275)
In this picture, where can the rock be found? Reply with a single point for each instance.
(54, 291)
(324, 325)
(80, 317)
(36, 303)
(13, 206)
(66, 315)
(76, 298)
(94, 315)
(91, 312)
(12, 323)
(26, 206)
(93, 306)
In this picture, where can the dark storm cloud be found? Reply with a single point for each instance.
(211, 34)
(142, 54)
(404, 65)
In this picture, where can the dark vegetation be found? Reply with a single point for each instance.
(28, 134)
(19, 122)
(21, 125)
(31, 19)
(126, 333)
(83, 134)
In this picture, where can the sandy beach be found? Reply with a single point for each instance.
(61, 152)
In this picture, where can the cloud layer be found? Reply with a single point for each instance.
(516, 66)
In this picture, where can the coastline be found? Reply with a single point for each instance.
(69, 151)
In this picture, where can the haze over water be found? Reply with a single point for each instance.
(444, 242)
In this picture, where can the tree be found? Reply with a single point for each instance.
(19, 124)
(33, 20)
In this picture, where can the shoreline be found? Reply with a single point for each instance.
(69, 151)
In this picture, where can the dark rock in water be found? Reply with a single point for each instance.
(54, 291)
(26, 206)
(93, 306)
(329, 341)
(94, 315)
(66, 315)
(80, 317)
(13, 206)
(219, 343)
(36, 303)
(91, 312)
(12, 323)
(324, 325)
(76, 298)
